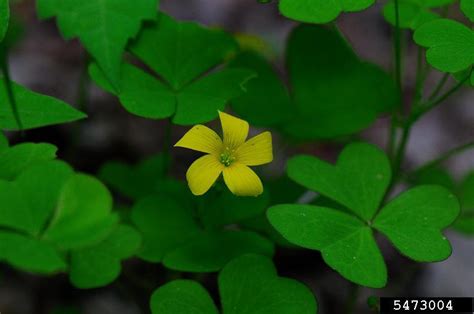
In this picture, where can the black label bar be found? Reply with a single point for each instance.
(427, 305)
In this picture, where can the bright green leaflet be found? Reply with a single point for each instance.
(29, 254)
(35, 110)
(266, 101)
(332, 89)
(3, 142)
(210, 251)
(467, 7)
(414, 220)
(450, 44)
(164, 223)
(345, 242)
(103, 26)
(83, 216)
(182, 297)
(320, 11)
(413, 13)
(248, 284)
(4, 17)
(187, 51)
(15, 159)
(358, 180)
(99, 265)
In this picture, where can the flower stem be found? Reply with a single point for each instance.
(439, 86)
(9, 89)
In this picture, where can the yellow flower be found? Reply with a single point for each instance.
(230, 156)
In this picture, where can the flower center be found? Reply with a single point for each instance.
(227, 157)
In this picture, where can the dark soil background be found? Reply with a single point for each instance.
(44, 62)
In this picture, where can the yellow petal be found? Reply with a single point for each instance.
(234, 130)
(256, 151)
(242, 181)
(202, 139)
(203, 173)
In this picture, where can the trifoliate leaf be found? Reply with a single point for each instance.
(248, 284)
(35, 110)
(414, 220)
(345, 242)
(4, 17)
(450, 44)
(29, 254)
(210, 251)
(187, 51)
(412, 13)
(99, 265)
(19, 157)
(164, 223)
(83, 216)
(467, 7)
(320, 11)
(332, 89)
(265, 93)
(182, 297)
(103, 26)
(358, 180)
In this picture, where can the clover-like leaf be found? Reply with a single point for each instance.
(83, 216)
(248, 284)
(15, 159)
(332, 89)
(413, 13)
(320, 11)
(450, 44)
(413, 221)
(3, 142)
(4, 17)
(358, 180)
(103, 26)
(35, 110)
(187, 51)
(467, 7)
(99, 265)
(346, 243)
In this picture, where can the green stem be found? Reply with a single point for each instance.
(9, 88)
(439, 86)
(398, 79)
(445, 156)
(167, 145)
(397, 163)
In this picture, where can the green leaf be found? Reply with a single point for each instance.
(414, 220)
(29, 254)
(436, 176)
(35, 110)
(332, 89)
(345, 242)
(320, 11)
(3, 143)
(210, 251)
(467, 7)
(265, 94)
(4, 17)
(16, 159)
(182, 297)
(358, 180)
(164, 224)
(444, 39)
(250, 285)
(103, 26)
(412, 13)
(185, 93)
(465, 221)
(99, 265)
(83, 216)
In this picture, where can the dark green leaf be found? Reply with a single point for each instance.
(412, 13)
(182, 297)
(35, 110)
(4, 17)
(99, 265)
(345, 242)
(103, 26)
(414, 220)
(467, 7)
